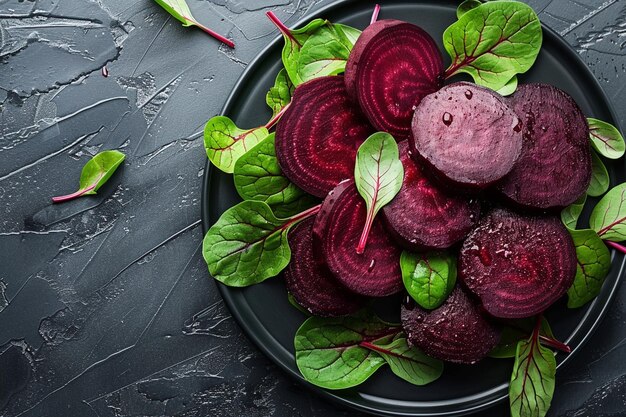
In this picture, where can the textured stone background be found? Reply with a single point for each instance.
(105, 305)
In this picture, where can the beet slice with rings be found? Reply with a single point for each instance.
(391, 67)
(554, 169)
(518, 265)
(376, 272)
(467, 134)
(423, 216)
(311, 283)
(454, 332)
(318, 136)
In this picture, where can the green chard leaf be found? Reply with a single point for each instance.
(95, 174)
(225, 143)
(378, 175)
(608, 218)
(533, 379)
(248, 244)
(180, 11)
(408, 362)
(571, 213)
(428, 278)
(466, 6)
(280, 94)
(516, 331)
(329, 351)
(493, 42)
(509, 88)
(606, 139)
(599, 177)
(594, 262)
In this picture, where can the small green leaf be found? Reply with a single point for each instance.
(225, 143)
(606, 139)
(509, 88)
(248, 244)
(258, 177)
(533, 379)
(493, 42)
(594, 262)
(428, 278)
(95, 174)
(514, 332)
(571, 213)
(599, 177)
(407, 362)
(378, 175)
(608, 218)
(294, 303)
(466, 6)
(329, 352)
(280, 94)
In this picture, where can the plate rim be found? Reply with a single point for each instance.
(228, 293)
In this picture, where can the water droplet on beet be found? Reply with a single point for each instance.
(469, 94)
(372, 264)
(447, 119)
(408, 302)
(518, 126)
(485, 256)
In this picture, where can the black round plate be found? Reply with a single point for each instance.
(271, 322)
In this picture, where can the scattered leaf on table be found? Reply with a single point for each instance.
(571, 213)
(594, 263)
(428, 278)
(606, 139)
(599, 177)
(608, 218)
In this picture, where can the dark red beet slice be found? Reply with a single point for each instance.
(455, 332)
(423, 216)
(318, 136)
(311, 283)
(518, 265)
(468, 134)
(391, 67)
(374, 273)
(554, 169)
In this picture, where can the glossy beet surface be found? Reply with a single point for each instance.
(318, 136)
(423, 216)
(454, 332)
(554, 169)
(467, 134)
(391, 67)
(518, 265)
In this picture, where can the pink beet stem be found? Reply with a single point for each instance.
(375, 14)
(281, 26)
(366, 231)
(616, 246)
(276, 118)
(212, 33)
(72, 196)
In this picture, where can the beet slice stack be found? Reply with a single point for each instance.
(518, 265)
(374, 273)
(311, 283)
(319, 134)
(454, 332)
(391, 67)
(554, 169)
(423, 216)
(468, 134)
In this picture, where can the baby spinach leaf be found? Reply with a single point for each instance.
(599, 177)
(297, 306)
(594, 262)
(378, 175)
(608, 217)
(533, 379)
(606, 139)
(180, 11)
(95, 174)
(326, 53)
(466, 6)
(329, 353)
(280, 94)
(571, 213)
(407, 362)
(248, 244)
(428, 278)
(493, 42)
(509, 88)
(225, 143)
(258, 177)
(521, 329)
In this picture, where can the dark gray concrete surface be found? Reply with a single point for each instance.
(106, 308)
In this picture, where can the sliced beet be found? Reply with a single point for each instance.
(311, 283)
(375, 272)
(391, 67)
(517, 265)
(318, 136)
(467, 134)
(554, 169)
(454, 332)
(423, 216)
